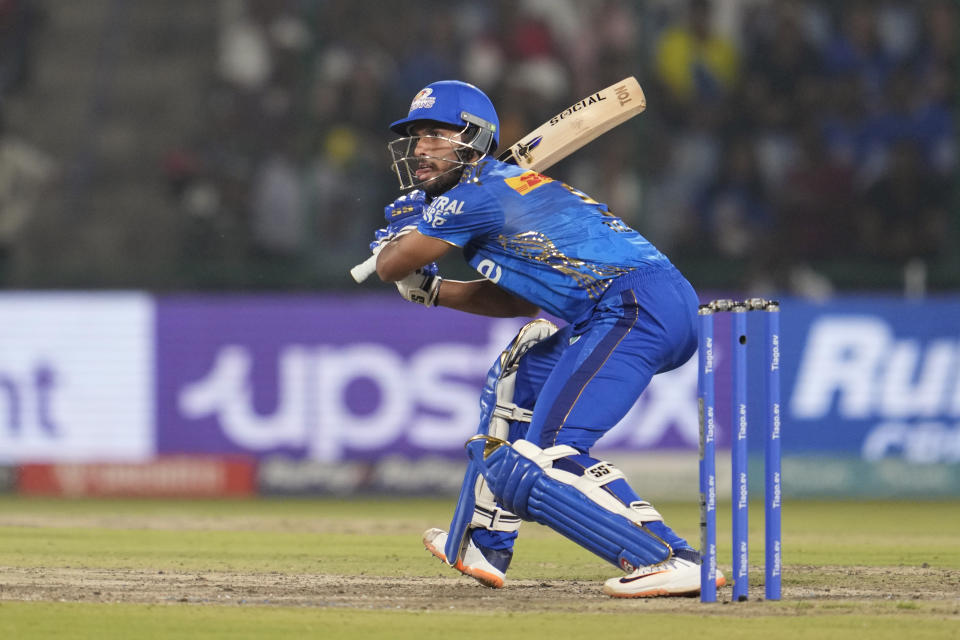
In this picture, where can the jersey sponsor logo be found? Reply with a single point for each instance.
(440, 208)
(527, 182)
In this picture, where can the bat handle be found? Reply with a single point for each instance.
(365, 269)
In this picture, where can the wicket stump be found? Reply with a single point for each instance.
(738, 447)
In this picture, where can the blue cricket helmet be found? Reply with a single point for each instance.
(458, 104)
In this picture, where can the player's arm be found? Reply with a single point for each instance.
(399, 259)
(484, 298)
(408, 253)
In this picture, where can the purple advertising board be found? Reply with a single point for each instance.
(335, 378)
(323, 378)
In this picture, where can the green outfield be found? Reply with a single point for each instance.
(356, 569)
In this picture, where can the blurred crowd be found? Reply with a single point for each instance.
(810, 135)
(780, 137)
(24, 169)
(788, 145)
(296, 143)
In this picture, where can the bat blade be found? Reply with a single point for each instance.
(573, 128)
(577, 125)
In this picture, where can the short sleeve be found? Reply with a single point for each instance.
(462, 214)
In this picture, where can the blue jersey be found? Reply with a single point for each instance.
(538, 238)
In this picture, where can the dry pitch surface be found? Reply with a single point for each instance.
(856, 588)
(411, 580)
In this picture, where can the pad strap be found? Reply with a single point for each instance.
(522, 476)
(511, 412)
(486, 513)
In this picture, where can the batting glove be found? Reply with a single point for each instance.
(402, 216)
(405, 210)
(385, 235)
(420, 287)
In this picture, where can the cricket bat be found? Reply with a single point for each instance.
(574, 127)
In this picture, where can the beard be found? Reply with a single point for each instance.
(442, 183)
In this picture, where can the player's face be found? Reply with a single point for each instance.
(431, 157)
(436, 155)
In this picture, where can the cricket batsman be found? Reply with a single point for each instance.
(539, 244)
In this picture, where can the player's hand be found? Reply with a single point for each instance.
(383, 236)
(402, 216)
(405, 210)
(420, 286)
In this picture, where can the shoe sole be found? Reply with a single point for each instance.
(660, 592)
(483, 577)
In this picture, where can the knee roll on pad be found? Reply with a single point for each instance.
(522, 477)
(497, 408)
(499, 416)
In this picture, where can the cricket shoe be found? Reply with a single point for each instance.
(678, 576)
(486, 566)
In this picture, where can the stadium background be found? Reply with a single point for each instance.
(184, 186)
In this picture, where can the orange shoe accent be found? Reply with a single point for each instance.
(652, 593)
(437, 553)
(483, 577)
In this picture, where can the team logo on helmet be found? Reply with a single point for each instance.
(423, 100)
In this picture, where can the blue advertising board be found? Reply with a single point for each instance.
(874, 378)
